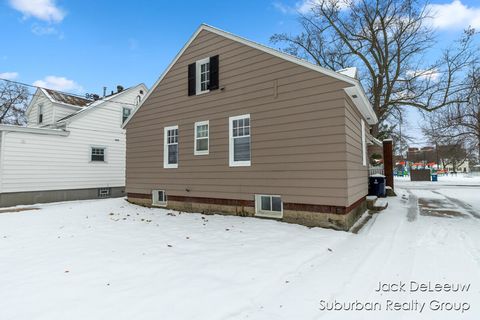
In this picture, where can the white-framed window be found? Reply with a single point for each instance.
(125, 114)
(364, 144)
(170, 151)
(202, 136)
(239, 144)
(159, 198)
(270, 206)
(138, 99)
(203, 75)
(97, 154)
(40, 114)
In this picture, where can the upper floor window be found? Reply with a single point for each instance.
(125, 114)
(239, 136)
(203, 76)
(138, 99)
(40, 114)
(170, 149)
(201, 137)
(97, 154)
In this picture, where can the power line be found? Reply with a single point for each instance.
(62, 92)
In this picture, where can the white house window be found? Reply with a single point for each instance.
(159, 198)
(40, 113)
(138, 100)
(125, 114)
(239, 136)
(201, 137)
(203, 75)
(170, 152)
(268, 206)
(364, 144)
(97, 154)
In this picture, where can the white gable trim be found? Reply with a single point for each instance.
(365, 108)
(33, 102)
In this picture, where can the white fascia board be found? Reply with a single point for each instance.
(33, 101)
(179, 54)
(11, 128)
(282, 55)
(97, 103)
(360, 100)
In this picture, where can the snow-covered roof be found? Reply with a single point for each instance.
(65, 98)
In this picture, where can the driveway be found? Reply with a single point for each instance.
(448, 199)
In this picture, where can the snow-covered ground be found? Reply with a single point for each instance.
(108, 259)
(451, 180)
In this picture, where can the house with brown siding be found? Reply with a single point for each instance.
(236, 127)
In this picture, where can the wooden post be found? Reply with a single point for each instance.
(388, 161)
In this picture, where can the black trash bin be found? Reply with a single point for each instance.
(377, 185)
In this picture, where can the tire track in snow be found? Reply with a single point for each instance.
(412, 212)
(460, 204)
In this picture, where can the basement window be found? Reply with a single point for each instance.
(270, 206)
(103, 192)
(159, 198)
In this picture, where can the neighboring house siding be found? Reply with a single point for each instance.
(357, 172)
(39, 162)
(34, 162)
(297, 130)
(63, 111)
(32, 117)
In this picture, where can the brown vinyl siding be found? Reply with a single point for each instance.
(357, 172)
(298, 138)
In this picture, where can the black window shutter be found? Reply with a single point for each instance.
(192, 90)
(213, 73)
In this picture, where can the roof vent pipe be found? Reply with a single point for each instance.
(119, 88)
(104, 91)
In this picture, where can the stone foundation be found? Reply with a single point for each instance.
(337, 221)
(32, 197)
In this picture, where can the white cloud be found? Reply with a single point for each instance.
(454, 15)
(9, 75)
(282, 7)
(306, 6)
(58, 83)
(45, 10)
(40, 30)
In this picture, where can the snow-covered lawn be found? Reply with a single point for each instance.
(460, 179)
(108, 259)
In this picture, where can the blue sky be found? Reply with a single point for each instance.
(81, 46)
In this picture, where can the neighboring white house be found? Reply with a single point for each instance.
(72, 148)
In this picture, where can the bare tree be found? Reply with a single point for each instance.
(453, 154)
(13, 103)
(460, 121)
(387, 40)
